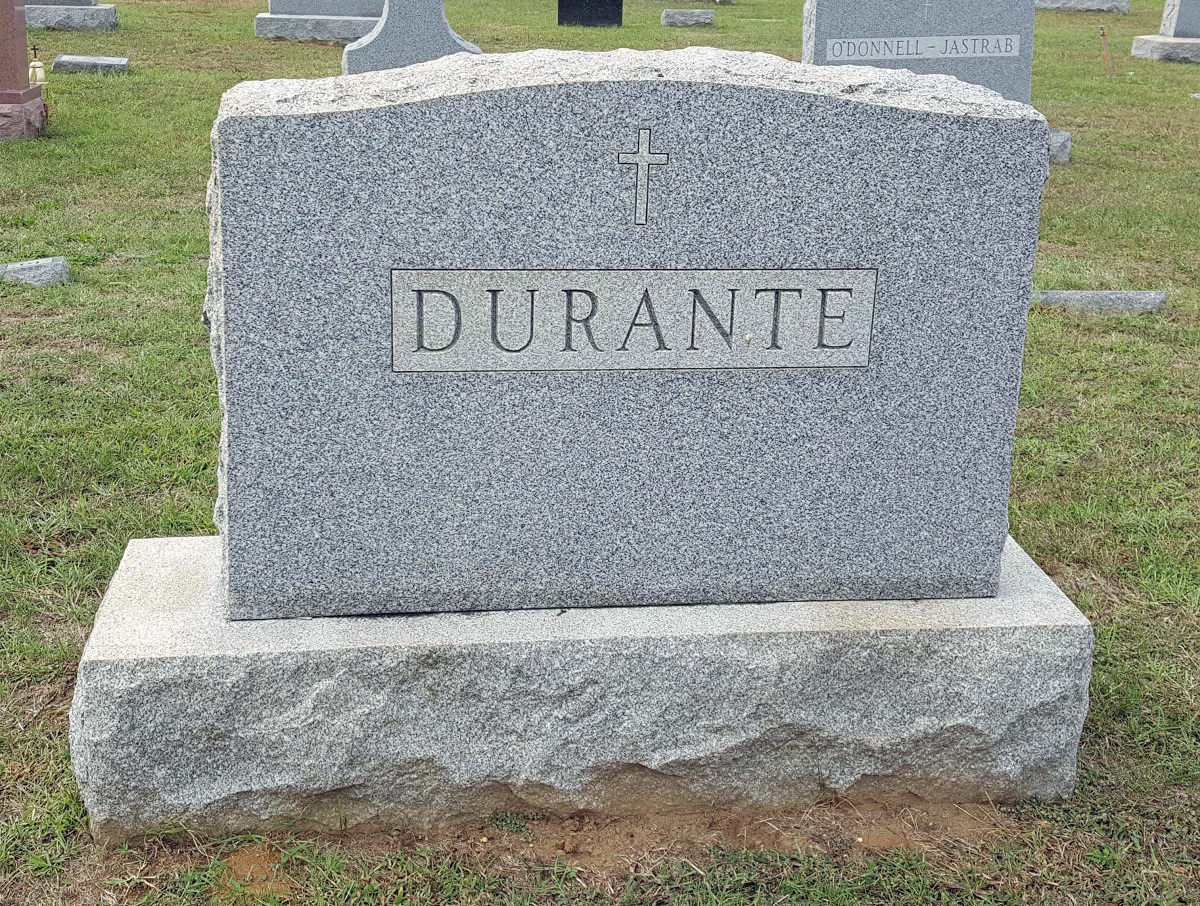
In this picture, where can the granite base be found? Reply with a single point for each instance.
(1170, 50)
(72, 18)
(182, 718)
(1085, 6)
(26, 120)
(325, 29)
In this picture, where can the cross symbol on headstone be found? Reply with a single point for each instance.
(643, 159)
(927, 5)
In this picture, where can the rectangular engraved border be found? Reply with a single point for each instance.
(609, 270)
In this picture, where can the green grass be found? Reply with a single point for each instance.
(108, 430)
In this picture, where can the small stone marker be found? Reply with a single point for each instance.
(410, 31)
(1121, 7)
(22, 107)
(38, 272)
(1060, 146)
(1178, 40)
(1104, 302)
(984, 42)
(83, 17)
(592, 13)
(716, 444)
(688, 18)
(79, 63)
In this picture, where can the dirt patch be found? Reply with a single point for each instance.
(254, 870)
(607, 846)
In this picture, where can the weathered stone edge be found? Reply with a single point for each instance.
(462, 74)
(460, 721)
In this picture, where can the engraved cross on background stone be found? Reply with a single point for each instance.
(643, 159)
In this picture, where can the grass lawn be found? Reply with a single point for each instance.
(109, 428)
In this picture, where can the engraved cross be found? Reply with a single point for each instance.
(643, 159)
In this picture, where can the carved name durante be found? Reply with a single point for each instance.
(531, 320)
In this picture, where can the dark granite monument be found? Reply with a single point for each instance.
(589, 12)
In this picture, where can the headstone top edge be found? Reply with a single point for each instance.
(464, 74)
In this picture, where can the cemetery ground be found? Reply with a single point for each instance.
(109, 429)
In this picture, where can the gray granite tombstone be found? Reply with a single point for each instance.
(984, 42)
(602, 460)
(543, 335)
(1178, 40)
(410, 31)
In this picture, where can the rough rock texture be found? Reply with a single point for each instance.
(326, 29)
(410, 31)
(688, 18)
(79, 63)
(1086, 6)
(1060, 146)
(347, 487)
(857, 32)
(38, 272)
(1105, 302)
(24, 120)
(72, 18)
(183, 718)
(1170, 50)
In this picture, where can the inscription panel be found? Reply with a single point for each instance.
(615, 320)
(947, 47)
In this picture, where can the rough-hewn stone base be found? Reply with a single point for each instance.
(1085, 6)
(72, 18)
(327, 29)
(1172, 50)
(183, 718)
(25, 120)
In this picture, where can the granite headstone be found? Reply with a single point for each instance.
(594, 13)
(1178, 39)
(984, 42)
(616, 370)
(410, 31)
(22, 108)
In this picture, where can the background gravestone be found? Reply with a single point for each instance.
(329, 21)
(69, 15)
(590, 12)
(1178, 40)
(1086, 6)
(410, 31)
(984, 42)
(22, 110)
